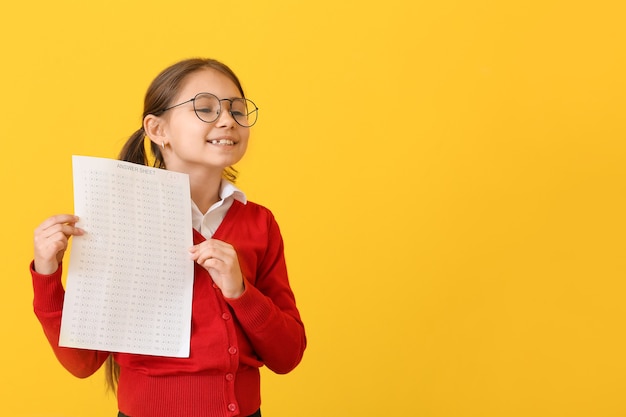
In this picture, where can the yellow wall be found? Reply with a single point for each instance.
(448, 175)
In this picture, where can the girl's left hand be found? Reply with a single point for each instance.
(220, 259)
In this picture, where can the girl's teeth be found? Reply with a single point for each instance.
(222, 142)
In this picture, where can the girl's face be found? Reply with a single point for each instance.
(192, 145)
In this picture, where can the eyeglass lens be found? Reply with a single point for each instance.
(208, 107)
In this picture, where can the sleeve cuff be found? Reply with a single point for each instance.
(252, 307)
(48, 290)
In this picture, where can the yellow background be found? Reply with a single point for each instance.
(448, 176)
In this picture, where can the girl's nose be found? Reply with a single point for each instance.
(225, 118)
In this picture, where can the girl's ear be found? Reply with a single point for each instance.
(154, 127)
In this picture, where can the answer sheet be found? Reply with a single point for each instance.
(130, 277)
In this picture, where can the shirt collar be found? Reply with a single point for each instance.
(227, 191)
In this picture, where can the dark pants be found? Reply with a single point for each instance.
(256, 414)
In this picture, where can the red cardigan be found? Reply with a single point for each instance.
(230, 338)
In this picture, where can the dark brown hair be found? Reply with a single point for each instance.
(163, 89)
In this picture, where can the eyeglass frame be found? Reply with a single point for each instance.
(219, 100)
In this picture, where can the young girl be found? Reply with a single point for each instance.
(244, 313)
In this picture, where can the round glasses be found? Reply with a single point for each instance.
(208, 109)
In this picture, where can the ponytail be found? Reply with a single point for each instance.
(112, 374)
(134, 151)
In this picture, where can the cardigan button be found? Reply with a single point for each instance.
(230, 377)
(232, 407)
(232, 350)
(226, 316)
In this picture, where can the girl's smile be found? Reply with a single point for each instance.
(184, 131)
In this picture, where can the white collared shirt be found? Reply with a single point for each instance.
(208, 223)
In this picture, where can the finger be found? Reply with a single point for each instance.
(212, 264)
(210, 244)
(51, 248)
(58, 219)
(64, 229)
(44, 241)
(223, 256)
(51, 226)
(205, 256)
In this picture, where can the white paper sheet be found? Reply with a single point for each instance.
(130, 278)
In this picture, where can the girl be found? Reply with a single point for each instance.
(244, 313)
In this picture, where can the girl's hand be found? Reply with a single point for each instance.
(220, 259)
(51, 239)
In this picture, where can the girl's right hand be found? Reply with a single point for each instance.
(51, 240)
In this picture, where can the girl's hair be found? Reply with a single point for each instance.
(159, 96)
